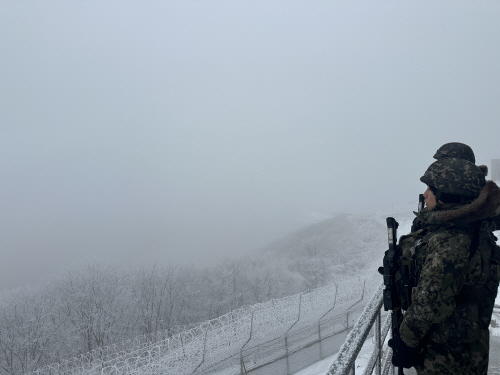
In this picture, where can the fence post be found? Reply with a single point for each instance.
(320, 341)
(286, 334)
(378, 343)
(286, 351)
(182, 346)
(319, 323)
(347, 319)
(242, 363)
(243, 369)
(203, 353)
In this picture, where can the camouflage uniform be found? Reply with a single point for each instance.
(453, 265)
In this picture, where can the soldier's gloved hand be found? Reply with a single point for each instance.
(404, 355)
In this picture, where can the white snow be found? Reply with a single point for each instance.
(322, 367)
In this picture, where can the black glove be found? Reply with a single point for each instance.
(404, 355)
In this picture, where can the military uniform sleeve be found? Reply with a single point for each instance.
(441, 279)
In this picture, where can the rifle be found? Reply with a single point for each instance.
(397, 299)
(421, 202)
(416, 222)
(404, 259)
(392, 301)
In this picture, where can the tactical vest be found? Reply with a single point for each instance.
(484, 291)
(474, 303)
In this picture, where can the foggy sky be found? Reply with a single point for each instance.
(188, 131)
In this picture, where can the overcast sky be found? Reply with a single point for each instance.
(186, 131)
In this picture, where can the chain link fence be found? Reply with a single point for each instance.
(238, 342)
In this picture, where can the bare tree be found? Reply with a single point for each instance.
(159, 296)
(29, 329)
(93, 301)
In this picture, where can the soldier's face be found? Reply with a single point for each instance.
(430, 199)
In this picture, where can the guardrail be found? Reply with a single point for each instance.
(380, 360)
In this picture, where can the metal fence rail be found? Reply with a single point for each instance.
(380, 359)
(261, 354)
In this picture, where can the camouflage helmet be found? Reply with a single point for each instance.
(455, 176)
(455, 150)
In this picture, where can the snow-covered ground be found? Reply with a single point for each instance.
(321, 367)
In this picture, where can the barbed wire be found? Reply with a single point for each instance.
(213, 341)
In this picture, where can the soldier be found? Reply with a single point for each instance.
(455, 150)
(454, 271)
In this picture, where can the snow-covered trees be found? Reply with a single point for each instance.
(159, 296)
(29, 329)
(95, 306)
(94, 302)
